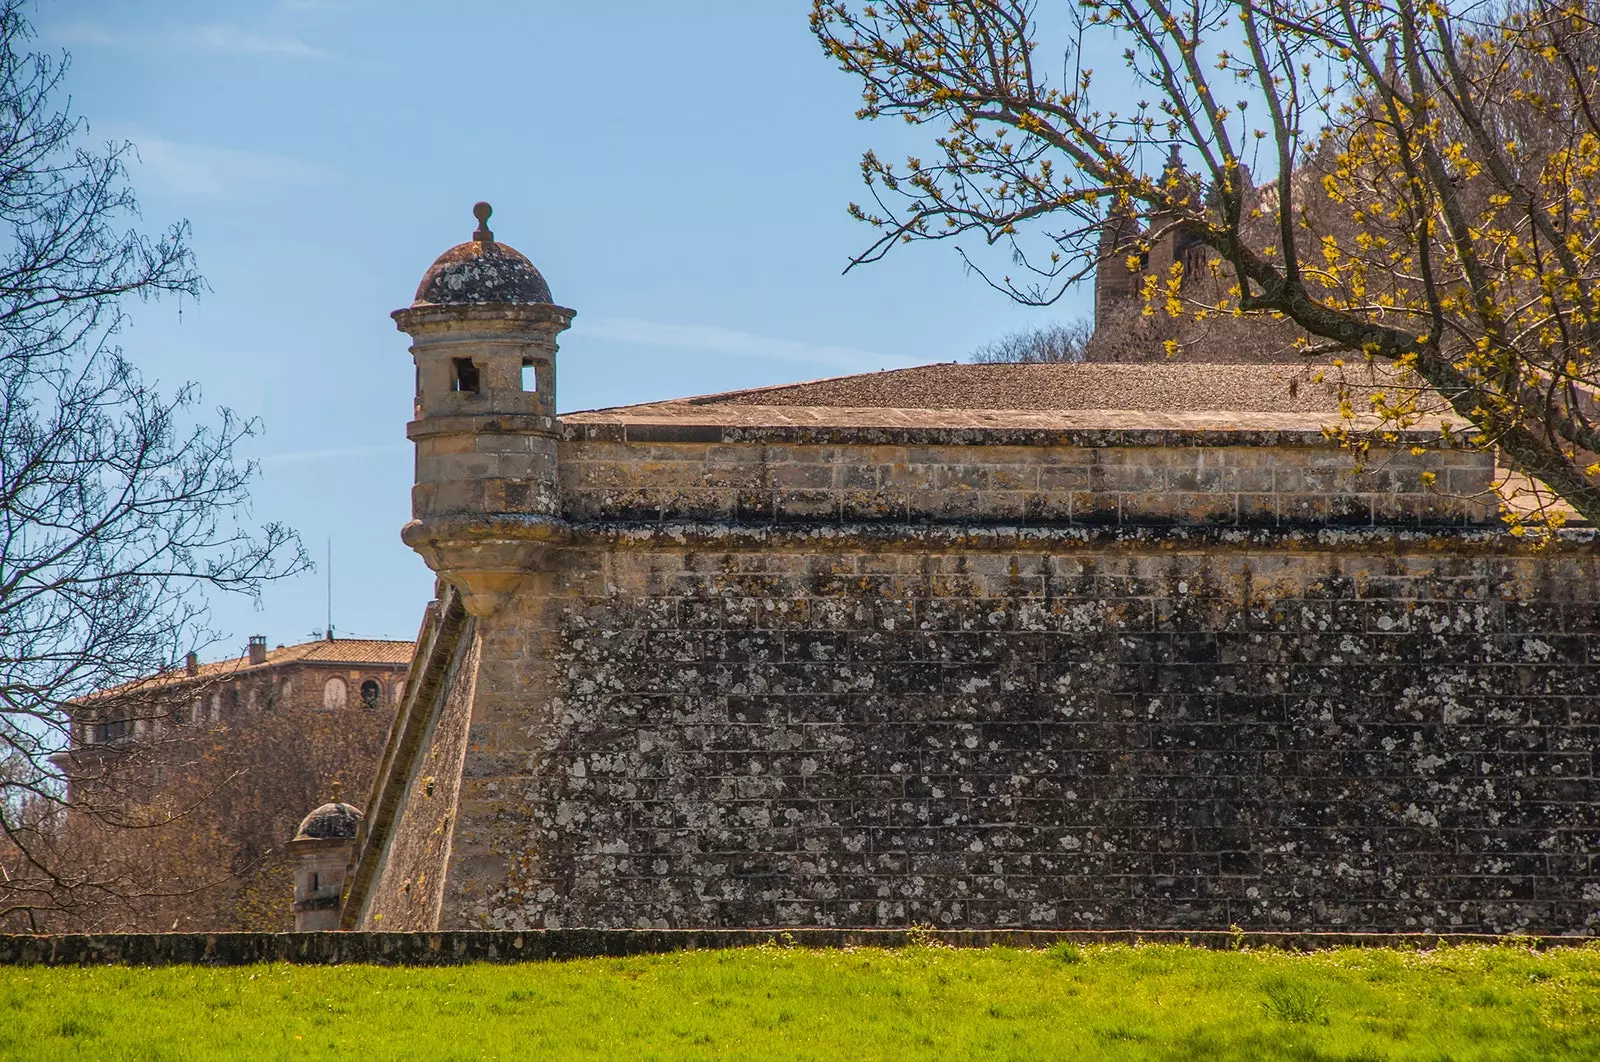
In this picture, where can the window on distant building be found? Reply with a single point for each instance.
(371, 692)
(115, 730)
(335, 693)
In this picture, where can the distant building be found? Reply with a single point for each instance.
(328, 673)
(217, 763)
(321, 849)
(345, 674)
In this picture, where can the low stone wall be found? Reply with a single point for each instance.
(444, 949)
(1218, 479)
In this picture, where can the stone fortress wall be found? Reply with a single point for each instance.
(1128, 476)
(709, 720)
(810, 666)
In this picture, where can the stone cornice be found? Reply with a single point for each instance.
(899, 536)
(424, 314)
(934, 434)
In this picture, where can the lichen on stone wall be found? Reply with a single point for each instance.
(1192, 481)
(1316, 738)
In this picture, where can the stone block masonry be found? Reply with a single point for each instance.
(686, 726)
(1093, 478)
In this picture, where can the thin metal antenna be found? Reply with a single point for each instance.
(330, 589)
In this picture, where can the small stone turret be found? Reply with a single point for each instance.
(322, 848)
(483, 330)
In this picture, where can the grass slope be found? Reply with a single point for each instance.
(1105, 1002)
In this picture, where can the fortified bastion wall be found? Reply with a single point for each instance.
(885, 651)
(697, 715)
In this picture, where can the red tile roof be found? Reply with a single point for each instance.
(357, 651)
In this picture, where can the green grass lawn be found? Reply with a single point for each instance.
(1101, 1002)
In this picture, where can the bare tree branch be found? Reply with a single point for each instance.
(120, 507)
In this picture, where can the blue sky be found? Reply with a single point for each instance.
(679, 172)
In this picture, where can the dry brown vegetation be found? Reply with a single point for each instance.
(188, 832)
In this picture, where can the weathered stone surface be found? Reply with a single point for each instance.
(1120, 480)
(407, 891)
(1376, 736)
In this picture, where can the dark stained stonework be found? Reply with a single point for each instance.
(1317, 741)
(481, 271)
(329, 821)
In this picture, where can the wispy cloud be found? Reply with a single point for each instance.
(729, 341)
(231, 40)
(300, 6)
(220, 173)
(304, 456)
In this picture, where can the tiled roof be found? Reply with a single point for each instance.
(358, 651)
(345, 650)
(1154, 394)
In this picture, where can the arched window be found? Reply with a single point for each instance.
(335, 693)
(371, 692)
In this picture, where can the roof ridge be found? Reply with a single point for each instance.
(705, 400)
(722, 396)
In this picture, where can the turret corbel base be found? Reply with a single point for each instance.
(488, 557)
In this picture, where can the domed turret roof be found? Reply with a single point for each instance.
(481, 271)
(335, 820)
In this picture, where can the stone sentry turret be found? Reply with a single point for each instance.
(483, 329)
(322, 849)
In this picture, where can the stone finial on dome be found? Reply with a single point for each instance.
(482, 270)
